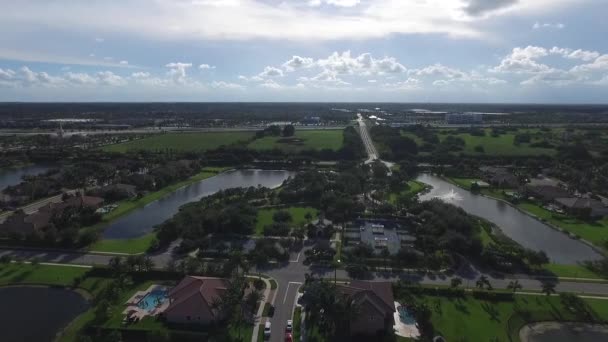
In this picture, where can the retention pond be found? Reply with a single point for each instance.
(37, 313)
(522, 228)
(142, 221)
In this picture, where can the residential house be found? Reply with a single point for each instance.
(499, 177)
(192, 300)
(583, 207)
(21, 223)
(375, 303)
(25, 224)
(116, 191)
(546, 193)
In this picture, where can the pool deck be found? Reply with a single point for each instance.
(402, 329)
(134, 311)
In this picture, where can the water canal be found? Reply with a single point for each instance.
(523, 229)
(143, 220)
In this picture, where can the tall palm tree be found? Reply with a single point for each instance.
(514, 285)
(548, 288)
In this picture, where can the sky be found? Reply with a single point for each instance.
(489, 51)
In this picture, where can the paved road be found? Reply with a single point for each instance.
(372, 153)
(155, 130)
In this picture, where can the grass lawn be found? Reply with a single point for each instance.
(140, 245)
(297, 320)
(482, 320)
(594, 232)
(129, 246)
(464, 183)
(572, 271)
(182, 142)
(301, 141)
(501, 145)
(414, 188)
(21, 273)
(297, 213)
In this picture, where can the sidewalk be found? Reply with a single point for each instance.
(258, 317)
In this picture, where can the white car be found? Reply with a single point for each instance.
(289, 326)
(267, 330)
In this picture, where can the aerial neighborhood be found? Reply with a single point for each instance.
(358, 224)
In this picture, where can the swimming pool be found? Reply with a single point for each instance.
(405, 316)
(153, 299)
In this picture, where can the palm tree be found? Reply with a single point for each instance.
(548, 288)
(514, 285)
(385, 254)
(148, 264)
(116, 264)
(481, 281)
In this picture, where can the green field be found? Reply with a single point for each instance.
(21, 273)
(182, 142)
(302, 140)
(140, 245)
(501, 145)
(594, 232)
(470, 319)
(414, 187)
(297, 213)
(572, 271)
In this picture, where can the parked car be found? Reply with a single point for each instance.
(288, 337)
(267, 330)
(289, 326)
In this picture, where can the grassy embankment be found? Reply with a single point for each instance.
(182, 142)
(414, 187)
(302, 140)
(484, 320)
(298, 214)
(595, 232)
(141, 244)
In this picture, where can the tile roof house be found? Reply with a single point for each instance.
(40, 220)
(192, 300)
(26, 224)
(546, 193)
(376, 306)
(583, 206)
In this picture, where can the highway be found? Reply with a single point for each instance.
(372, 153)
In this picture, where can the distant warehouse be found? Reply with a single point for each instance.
(464, 118)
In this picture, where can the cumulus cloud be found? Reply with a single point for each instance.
(80, 78)
(206, 67)
(523, 60)
(364, 64)
(140, 74)
(123, 62)
(526, 61)
(177, 70)
(226, 85)
(270, 71)
(297, 62)
(583, 55)
(557, 26)
(270, 84)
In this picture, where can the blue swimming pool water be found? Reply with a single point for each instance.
(405, 316)
(152, 300)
